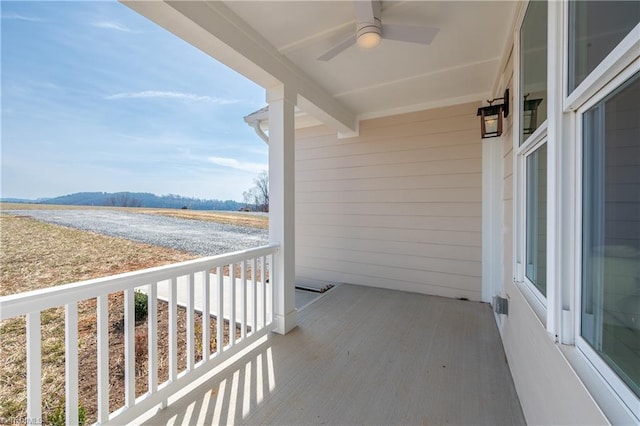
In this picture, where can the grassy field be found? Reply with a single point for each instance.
(36, 255)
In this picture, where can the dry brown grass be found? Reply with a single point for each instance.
(35, 255)
(239, 219)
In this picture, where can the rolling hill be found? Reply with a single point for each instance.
(133, 199)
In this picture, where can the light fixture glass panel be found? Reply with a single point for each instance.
(526, 121)
(533, 64)
(491, 124)
(530, 116)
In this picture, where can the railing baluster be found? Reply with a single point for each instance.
(243, 279)
(103, 357)
(34, 367)
(129, 349)
(191, 342)
(71, 362)
(220, 316)
(232, 311)
(264, 291)
(206, 317)
(173, 330)
(152, 336)
(272, 282)
(254, 295)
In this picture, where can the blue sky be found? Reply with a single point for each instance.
(97, 98)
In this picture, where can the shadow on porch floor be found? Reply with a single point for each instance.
(366, 356)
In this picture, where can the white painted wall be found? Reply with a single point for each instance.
(397, 207)
(550, 392)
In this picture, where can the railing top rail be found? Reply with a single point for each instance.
(38, 300)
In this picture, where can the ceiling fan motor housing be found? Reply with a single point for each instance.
(369, 27)
(369, 35)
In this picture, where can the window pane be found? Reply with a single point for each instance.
(537, 219)
(611, 231)
(533, 65)
(595, 29)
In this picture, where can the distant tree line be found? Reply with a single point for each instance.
(124, 199)
(142, 199)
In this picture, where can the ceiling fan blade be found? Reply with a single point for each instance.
(338, 48)
(422, 35)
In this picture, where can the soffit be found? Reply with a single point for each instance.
(460, 65)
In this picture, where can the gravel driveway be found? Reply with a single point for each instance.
(193, 236)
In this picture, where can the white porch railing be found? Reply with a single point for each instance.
(244, 297)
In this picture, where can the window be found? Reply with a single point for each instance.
(595, 29)
(533, 69)
(536, 217)
(603, 88)
(532, 155)
(610, 320)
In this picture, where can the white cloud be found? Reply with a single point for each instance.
(232, 163)
(156, 94)
(110, 25)
(20, 17)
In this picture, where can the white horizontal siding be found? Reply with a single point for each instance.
(453, 180)
(456, 224)
(431, 209)
(399, 158)
(380, 236)
(397, 207)
(413, 167)
(443, 251)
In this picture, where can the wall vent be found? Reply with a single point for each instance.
(500, 305)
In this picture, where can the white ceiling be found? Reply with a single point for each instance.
(275, 42)
(460, 65)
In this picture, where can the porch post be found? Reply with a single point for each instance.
(281, 102)
(492, 187)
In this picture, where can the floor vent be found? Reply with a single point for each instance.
(315, 289)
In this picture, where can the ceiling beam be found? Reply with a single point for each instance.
(216, 30)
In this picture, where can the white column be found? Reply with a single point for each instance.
(281, 102)
(492, 188)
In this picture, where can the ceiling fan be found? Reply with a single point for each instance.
(370, 30)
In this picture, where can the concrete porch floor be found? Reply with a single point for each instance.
(366, 356)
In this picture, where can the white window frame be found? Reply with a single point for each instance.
(620, 404)
(561, 315)
(539, 137)
(627, 398)
(617, 60)
(533, 295)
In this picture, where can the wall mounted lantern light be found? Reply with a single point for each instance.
(491, 116)
(530, 115)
